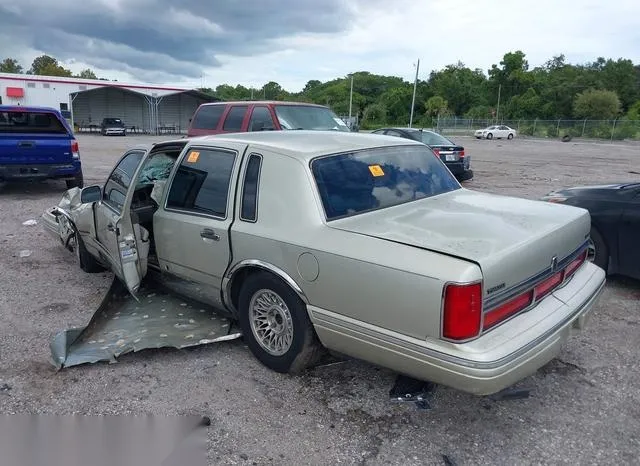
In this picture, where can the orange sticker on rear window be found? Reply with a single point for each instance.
(193, 157)
(376, 170)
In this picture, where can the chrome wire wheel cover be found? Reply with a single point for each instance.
(591, 251)
(271, 322)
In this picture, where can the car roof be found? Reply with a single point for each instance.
(263, 102)
(27, 108)
(307, 144)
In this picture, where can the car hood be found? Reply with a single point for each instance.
(512, 239)
(593, 190)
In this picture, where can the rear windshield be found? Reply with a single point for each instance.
(434, 139)
(309, 118)
(355, 182)
(30, 122)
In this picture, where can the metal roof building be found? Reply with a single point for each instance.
(85, 102)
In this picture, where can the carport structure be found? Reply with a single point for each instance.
(143, 110)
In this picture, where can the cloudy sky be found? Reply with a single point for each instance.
(250, 42)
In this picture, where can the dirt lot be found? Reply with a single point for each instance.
(584, 407)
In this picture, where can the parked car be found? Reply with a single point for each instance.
(113, 126)
(450, 153)
(615, 223)
(243, 116)
(496, 131)
(363, 244)
(37, 143)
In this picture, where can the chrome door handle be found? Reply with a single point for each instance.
(208, 233)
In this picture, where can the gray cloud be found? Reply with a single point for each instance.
(163, 38)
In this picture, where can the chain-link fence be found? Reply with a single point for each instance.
(619, 129)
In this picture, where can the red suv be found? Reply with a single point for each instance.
(236, 117)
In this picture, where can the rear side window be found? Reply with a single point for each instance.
(233, 122)
(208, 117)
(372, 179)
(249, 211)
(31, 122)
(201, 184)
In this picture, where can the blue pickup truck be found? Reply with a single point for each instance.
(37, 143)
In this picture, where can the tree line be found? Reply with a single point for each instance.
(603, 89)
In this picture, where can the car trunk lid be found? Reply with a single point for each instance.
(449, 153)
(512, 240)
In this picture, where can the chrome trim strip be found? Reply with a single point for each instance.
(493, 302)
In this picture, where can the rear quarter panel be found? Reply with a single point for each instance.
(352, 278)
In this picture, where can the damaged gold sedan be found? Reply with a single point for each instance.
(364, 245)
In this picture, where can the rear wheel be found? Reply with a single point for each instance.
(490, 136)
(510, 136)
(77, 182)
(276, 326)
(598, 252)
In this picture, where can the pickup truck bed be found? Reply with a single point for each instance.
(36, 143)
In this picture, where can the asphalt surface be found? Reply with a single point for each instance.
(584, 407)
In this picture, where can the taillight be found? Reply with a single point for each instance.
(462, 311)
(461, 154)
(436, 152)
(575, 264)
(75, 149)
(506, 310)
(548, 285)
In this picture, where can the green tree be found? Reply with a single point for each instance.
(597, 104)
(374, 114)
(10, 65)
(48, 66)
(462, 87)
(87, 74)
(435, 106)
(634, 111)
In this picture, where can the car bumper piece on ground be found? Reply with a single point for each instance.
(484, 366)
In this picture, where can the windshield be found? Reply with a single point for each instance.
(309, 117)
(113, 121)
(434, 139)
(373, 179)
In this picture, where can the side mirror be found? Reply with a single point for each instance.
(90, 194)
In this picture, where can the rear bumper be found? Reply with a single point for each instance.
(461, 168)
(37, 171)
(484, 366)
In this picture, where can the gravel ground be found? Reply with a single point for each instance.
(584, 406)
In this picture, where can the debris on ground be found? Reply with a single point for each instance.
(448, 460)
(5, 387)
(511, 394)
(122, 325)
(30, 222)
(24, 253)
(407, 389)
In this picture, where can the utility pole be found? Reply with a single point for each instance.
(498, 109)
(350, 99)
(413, 100)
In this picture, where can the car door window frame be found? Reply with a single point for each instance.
(105, 195)
(228, 113)
(261, 107)
(178, 164)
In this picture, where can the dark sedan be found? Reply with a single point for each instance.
(615, 223)
(449, 152)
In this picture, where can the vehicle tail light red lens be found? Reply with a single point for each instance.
(75, 149)
(436, 152)
(548, 285)
(462, 315)
(508, 309)
(461, 153)
(575, 264)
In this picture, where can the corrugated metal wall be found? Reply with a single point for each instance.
(174, 111)
(92, 106)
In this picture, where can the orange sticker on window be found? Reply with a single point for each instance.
(376, 170)
(193, 157)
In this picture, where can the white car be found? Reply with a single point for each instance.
(496, 131)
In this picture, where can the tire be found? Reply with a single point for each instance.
(466, 176)
(77, 182)
(510, 136)
(304, 348)
(85, 260)
(601, 256)
(490, 136)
